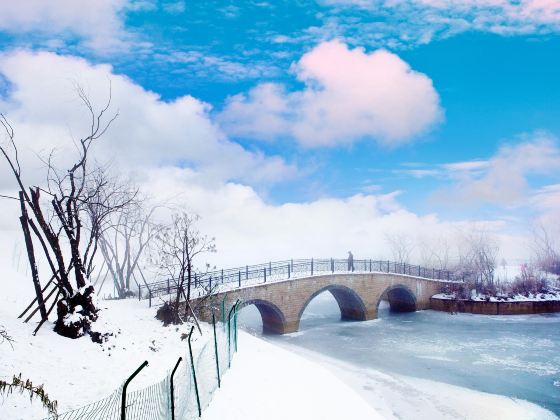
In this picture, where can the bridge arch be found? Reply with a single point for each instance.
(351, 305)
(401, 298)
(273, 319)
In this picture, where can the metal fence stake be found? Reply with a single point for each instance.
(229, 331)
(194, 374)
(123, 399)
(172, 390)
(216, 349)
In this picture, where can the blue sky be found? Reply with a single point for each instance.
(493, 68)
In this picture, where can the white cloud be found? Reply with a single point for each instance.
(348, 95)
(402, 23)
(98, 22)
(503, 179)
(44, 109)
(249, 230)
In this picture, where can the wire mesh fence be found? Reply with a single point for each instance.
(223, 280)
(182, 394)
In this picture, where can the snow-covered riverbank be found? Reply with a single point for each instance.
(402, 397)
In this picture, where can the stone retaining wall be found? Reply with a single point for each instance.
(494, 308)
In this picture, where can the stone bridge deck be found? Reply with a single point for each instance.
(281, 304)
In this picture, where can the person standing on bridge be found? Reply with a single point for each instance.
(350, 261)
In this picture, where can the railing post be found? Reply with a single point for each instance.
(292, 264)
(433, 273)
(172, 390)
(239, 278)
(270, 268)
(222, 276)
(289, 271)
(150, 297)
(332, 266)
(311, 266)
(210, 281)
(447, 275)
(370, 265)
(246, 272)
(388, 267)
(264, 271)
(123, 399)
(168, 288)
(194, 374)
(216, 349)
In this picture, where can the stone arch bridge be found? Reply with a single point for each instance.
(358, 294)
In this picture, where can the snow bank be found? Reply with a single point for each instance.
(268, 382)
(401, 397)
(79, 372)
(537, 297)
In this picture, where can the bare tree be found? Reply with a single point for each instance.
(65, 216)
(478, 255)
(125, 241)
(179, 245)
(401, 247)
(435, 252)
(546, 250)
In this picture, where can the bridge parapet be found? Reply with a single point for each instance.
(249, 276)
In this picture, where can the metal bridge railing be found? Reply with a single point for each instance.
(249, 275)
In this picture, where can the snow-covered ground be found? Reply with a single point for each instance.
(268, 382)
(79, 372)
(553, 295)
(402, 397)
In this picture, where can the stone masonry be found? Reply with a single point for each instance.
(282, 303)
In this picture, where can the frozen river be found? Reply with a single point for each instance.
(516, 356)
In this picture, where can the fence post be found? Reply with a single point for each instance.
(447, 275)
(224, 310)
(194, 374)
(269, 268)
(246, 272)
(150, 297)
(210, 282)
(332, 266)
(370, 265)
(123, 399)
(229, 332)
(216, 349)
(388, 267)
(289, 271)
(239, 278)
(292, 264)
(172, 390)
(433, 273)
(264, 271)
(235, 326)
(168, 289)
(222, 276)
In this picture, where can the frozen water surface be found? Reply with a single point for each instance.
(516, 356)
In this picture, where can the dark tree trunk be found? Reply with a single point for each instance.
(24, 219)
